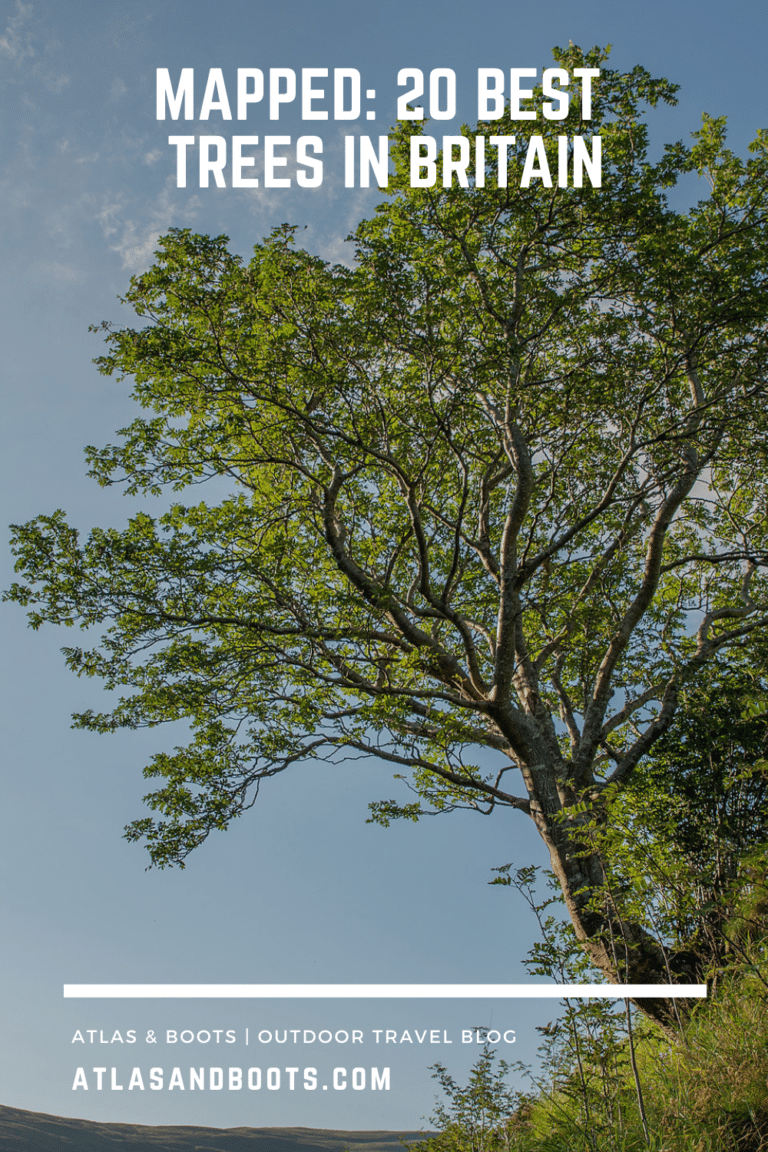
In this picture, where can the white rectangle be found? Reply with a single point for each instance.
(380, 991)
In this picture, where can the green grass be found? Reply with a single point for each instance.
(706, 1093)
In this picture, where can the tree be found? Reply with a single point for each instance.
(498, 494)
(484, 1116)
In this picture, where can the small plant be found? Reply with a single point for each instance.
(484, 1116)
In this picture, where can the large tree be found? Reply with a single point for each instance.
(497, 492)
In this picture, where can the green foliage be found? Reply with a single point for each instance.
(586, 1054)
(707, 1094)
(605, 1082)
(685, 853)
(480, 1116)
(685, 845)
(483, 483)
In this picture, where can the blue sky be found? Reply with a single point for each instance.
(301, 889)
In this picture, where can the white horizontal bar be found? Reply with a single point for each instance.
(380, 991)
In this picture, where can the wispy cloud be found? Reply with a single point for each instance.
(16, 40)
(29, 44)
(134, 240)
(55, 271)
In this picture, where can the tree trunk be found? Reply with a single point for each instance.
(623, 950)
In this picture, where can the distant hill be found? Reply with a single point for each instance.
(22, 1131)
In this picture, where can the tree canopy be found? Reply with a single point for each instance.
(498, 492)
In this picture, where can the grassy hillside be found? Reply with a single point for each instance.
(22, 1131)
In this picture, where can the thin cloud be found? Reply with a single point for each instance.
(47, 271)
(17, 46)
(16, 41)
(136, 240)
